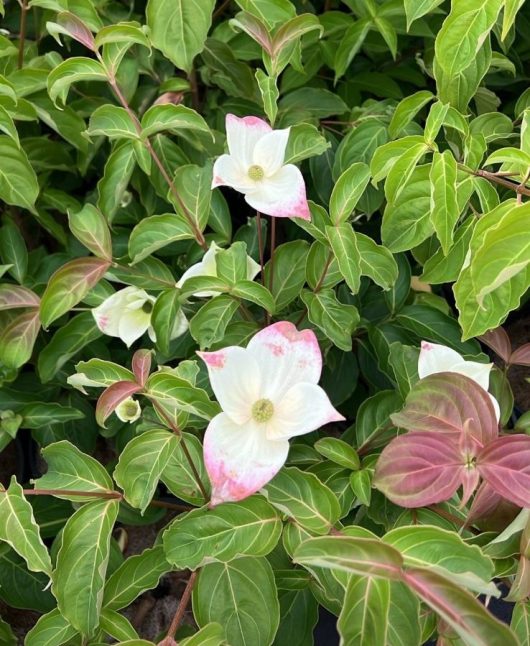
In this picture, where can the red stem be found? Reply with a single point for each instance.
(183, 604)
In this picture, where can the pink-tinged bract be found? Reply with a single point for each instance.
(419, 469)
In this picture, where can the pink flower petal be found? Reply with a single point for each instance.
(285, 357)
(242, 136)
(236, 380)
(304, 408)
(239, 458)
(419, 469)
(283, 195)
(505, 466)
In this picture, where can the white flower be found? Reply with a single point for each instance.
(268, 393)
(436, 358)
(254, 167)
(128, 411)
(127, 315)
(208, 267)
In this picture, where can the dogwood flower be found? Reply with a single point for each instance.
(254, 167)
(439, 358)
(127, 315)
(128, 411)
(268, 393)
(208, 267)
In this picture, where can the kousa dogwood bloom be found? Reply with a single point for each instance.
(436, 358)
(208, 267)
(127, 315)
(129, 410)
(268, 393)
(255, 167)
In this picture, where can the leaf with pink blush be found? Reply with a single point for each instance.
(443, 402)
(505, 466)
(419, 469)
(498, 341)
(141, 365)
(70, 25)
(15, 296)
(112, 397)
(521, 356)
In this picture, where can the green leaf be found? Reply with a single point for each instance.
(71, 71)
(71, 469)
(271, 12)
(406, 110)
(288, 273)
(435, 120)
(349, 46)
(365, 613)
(343, 242)
(21, 588)
(376, 262)
(134, 576)
(13, 250)
(173, 393)
(90, 227)
(402, 169)
(347, 192)
(68, 285)
(361, 483)
(209, 324)
(178, 476)
(66, 343)
(113, 122)
(336, 320)
(19, 529)
(304, 141)
(387, 31)
(82, 560)
(339, 452)
(193, 184)
(520, 623)
(172, 118)
(40, 414)
(373, 418)
(444, 204)
(269, 94)
(301, 496)
(511, 8)
(6, 634)
(18, 182)
(212, 634)
(286, 36)
(18, 338)
(235, 595)
(116, 625)
(116, 176)
(463, 33)
(105, 372)
(7, 126)
(179, 28)
(51, 629)
(503, 253)
(415, 9)
(156, 232)
(163, 317)
(141, 464)
(250, 527)
(123, 32)
(255, 293)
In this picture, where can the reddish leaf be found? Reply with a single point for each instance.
(458, 608)
(521, 356)
(505, 465)
(68, 285)
(112, 397)
(499, 342)
(14, 296)
(443, 402)
(141, 365)
(76, 29)
(419, 469)
(18, 338)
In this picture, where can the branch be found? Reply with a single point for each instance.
(520, 189)
(183, 604)
(22, 32)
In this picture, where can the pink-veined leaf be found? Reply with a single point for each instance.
(443, 402)
(458, 608)
(70, 25)
(18, 338)
(505, 465)
(499, 342)
(141, 365)
(112, 397)
(14, 296)
(521, 356)
(419, 469)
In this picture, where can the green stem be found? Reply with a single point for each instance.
(318, 286)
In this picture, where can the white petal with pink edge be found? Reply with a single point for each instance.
(230, 171)
(242, 135)
(281, 195)
(269, 152)
(304, 408)
(239, 458)
(235, 379)
(286, 357)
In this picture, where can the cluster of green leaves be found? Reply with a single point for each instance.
(411, 123)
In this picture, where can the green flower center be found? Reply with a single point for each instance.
(256, 173)
(130, 409)
(147, 307)
(262, 410)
